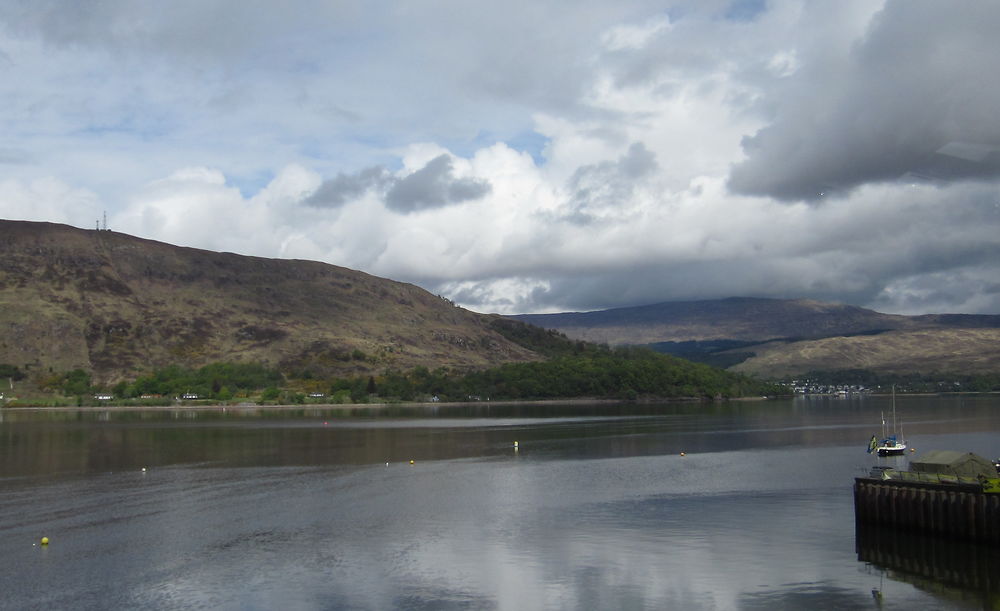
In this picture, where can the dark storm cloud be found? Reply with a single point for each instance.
(927, 250)
(649, 283)
(479, 294)
(912, 93)
(346, 187)
(434, 186)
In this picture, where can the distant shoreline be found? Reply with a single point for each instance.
(300, 406)
(354, 406)
(425, 404)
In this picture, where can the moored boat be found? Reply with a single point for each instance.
(891, 444)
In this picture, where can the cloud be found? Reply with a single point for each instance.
(875, 248)
(745, 10)
(48, 199)
(634, 36)
(635, 152)
(15, 156)
(347, 187)
(970, 289)
(912, 86)
(432, 186)
(605, 190)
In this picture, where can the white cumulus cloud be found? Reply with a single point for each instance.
(529, 156)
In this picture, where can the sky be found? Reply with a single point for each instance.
(525, 156)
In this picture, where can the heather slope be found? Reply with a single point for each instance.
(119, 305)
(775, 337)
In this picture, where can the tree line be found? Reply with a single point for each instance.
(933, 382)
(583, 371)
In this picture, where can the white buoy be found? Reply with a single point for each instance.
(515, 444)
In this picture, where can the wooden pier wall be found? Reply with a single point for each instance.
(955, 510)
(931, 562)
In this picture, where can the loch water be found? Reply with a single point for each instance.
(732, 505)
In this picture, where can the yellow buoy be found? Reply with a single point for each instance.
(411, 462)
(45, 540)
(515, 444)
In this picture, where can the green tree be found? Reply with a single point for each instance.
(341, 396)
(10, 371)
(120, 389)
(76, 382)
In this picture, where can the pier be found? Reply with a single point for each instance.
(962, 510)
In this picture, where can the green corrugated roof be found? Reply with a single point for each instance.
(953, 463)
(944, 457)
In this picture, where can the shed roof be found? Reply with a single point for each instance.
(952, 462)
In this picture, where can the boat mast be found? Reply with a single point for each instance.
(893, 410)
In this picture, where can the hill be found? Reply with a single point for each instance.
(120, 306)
(736, 318)
(774, 337)
(955, 351)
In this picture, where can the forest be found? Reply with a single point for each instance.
(587, 371)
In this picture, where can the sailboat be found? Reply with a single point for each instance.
(891, 445)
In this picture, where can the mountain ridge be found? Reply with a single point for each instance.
(119, 305)
(781, 337)
(739, 318)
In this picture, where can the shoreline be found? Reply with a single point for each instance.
(357, 406)
(300, 406)
(427, 404)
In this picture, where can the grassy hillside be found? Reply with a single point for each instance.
(956, 351)
(120, 306)
(737, 318)
(774, 338)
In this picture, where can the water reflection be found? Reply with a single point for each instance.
(81, 441)
(597, 509)
(959, 571)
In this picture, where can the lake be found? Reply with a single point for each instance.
(740, 505)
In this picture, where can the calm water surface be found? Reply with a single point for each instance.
(596, 509)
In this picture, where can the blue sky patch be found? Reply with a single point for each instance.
(745, 10)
